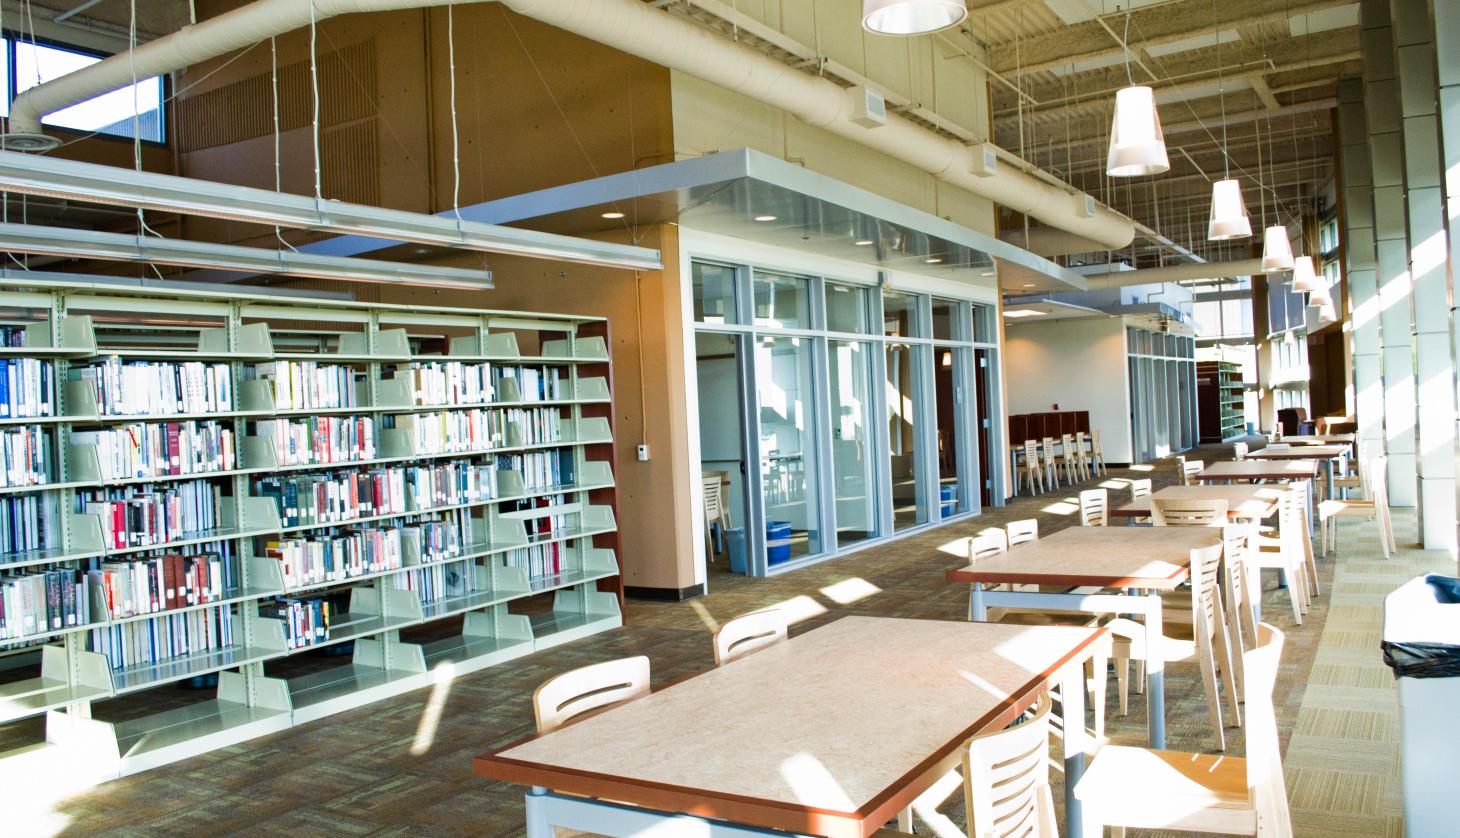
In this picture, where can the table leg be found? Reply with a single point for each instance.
(1072, 697)
(976, 609)
(1328, 476)
(538, 825)
(1155, 673)
(1014, 471)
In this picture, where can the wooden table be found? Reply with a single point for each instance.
(1140, 562)
(1327, 453)
(1248, 503)
(1319, 439)
(831, 733)
(1251, 469)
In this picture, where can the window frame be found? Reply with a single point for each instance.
(12, 38)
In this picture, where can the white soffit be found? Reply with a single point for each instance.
(1202, 41)
(1338, 17)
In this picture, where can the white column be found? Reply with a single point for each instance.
(1381, 108)
(1447, 65)
(1414, 53)
(1360, 264)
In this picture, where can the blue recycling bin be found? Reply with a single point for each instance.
(735, 546)
(777, 542)
(948, 500)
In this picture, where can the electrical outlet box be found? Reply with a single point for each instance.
(643, 453)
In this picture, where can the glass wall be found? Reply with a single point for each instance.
(1162, 391)
(860, 409)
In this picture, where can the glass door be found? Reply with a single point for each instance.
(719, 365)
(854, 473)
(788, 456)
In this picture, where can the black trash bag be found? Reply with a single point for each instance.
(1427, 660)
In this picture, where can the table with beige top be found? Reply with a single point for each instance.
(1319, 439)
(1329, 455)
(831, 733)
(1244, 502)
(1130, 567)
(1250, 469)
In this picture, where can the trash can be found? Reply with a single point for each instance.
(1421, 644)
(777, 542)
(735, 546)
(947, 500)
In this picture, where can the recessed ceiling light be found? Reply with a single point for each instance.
(765, 218)
(932, 260)
(863, 242)
(1028, 285)
(613, 215)
(1024, 312)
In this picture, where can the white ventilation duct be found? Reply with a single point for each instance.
(1174, 273)
(636, 28)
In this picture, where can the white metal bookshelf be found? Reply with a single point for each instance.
(67, 324)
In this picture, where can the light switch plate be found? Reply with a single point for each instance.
(643, 453)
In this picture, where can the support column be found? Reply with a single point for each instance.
(1414, 53)
(1447, 66)
(1360, 267)
(1396, 353)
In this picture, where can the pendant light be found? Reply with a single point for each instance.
(1305, 279)
(1229, 212)
(911, 17)
(1137, 146)
(1277, 251)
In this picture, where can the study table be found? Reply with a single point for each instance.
(1249, 469)
(831, 733)
(1319, 439)
(1133, 564)
(1328, 454)
(1244, 502)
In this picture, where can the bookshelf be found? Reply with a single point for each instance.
(1219, 390)
(194, 482)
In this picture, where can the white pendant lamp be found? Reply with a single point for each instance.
(1137, 146)
(1320, 296)
(911, 17)
(1277, 251)
(1229, 212)
(1305, 279)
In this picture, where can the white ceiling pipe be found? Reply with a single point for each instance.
(639, 29)
(242, 27)
(1175, 273)
(633, 27)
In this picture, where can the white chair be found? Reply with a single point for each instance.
(1082, 456)
(1033, 467)
(715, 512)
(1049, 462)
(1212, 793)
(1239, 450)
(1374, 508)
(1094, 508)
(563, 698)
(1284, 552)
(1188, 512)
(1190, 469)
(1020, 532)
(1140, 489)
(749, 633)
(1068, 459)
(1097, 454)
(1201, 639)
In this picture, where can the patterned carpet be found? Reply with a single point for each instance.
(403, 766)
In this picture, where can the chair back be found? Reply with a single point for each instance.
(749, 633)
(1190, 469)
(1266, 789)
(712, 486)
(1067, 446)
(1184, 512)
(1239, 450)
(1094, 508)
(1095, 442)
(1007, 789)
(1237, 582)
(1206, 565)
(1080, 445)
(1047, 445)
(1031, 454)
(1020, 532)
(998, 536)
(987, 544)
(563, 698)
(1140, 488)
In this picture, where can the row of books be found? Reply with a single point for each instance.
(152, 585)
(320, 440)
(537, 384)
(161, 449)
(306, 621)
(40, 601)
(25, 456)
(164, 637)
(326, 558)
(306, 385)
(440, 581)
(543, 524)
(134, 516)
(27, 388)
(339, 497)
(540, 470)
(539, 425)
(27, 522)
(541, 561)
(450, 383)
(158, 388)
(458, 431)
(440, 539)
(12, 336)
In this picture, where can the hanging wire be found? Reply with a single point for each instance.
(314, 96)
(278, 151)
(142, 228)
(1221, 93)
(455, 134)
(1125, 45)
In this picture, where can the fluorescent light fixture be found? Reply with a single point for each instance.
(1304, 277)
(1028, 285)
(863, 242)
(1229, 212)
(70, 180)
(911, 17)
(1137, 146)
(1277, 251)
(116, 247)
(764, 218)
(613, 216)
(933, 260)
(987, 273)
(1024, 312)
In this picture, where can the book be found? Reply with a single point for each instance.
(161, 449)
(157, 388)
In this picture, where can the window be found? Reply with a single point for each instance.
(110, 113)
(714, 293)
(1328, 236)
(782, 302)
(846, 309)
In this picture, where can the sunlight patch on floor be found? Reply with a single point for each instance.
(849, 591)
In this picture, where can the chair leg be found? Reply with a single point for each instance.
(1099, 675)
(1296, 598)
(1229, 669)
(1214, 700)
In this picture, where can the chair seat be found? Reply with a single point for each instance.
(1130, 640)
(1142, 788)
(1359, 508)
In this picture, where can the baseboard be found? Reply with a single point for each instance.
(665, 594)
